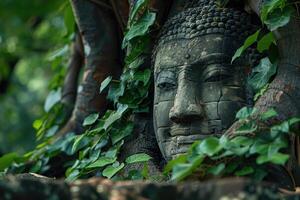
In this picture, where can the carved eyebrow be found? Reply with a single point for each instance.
(213, 59)
(202, 61)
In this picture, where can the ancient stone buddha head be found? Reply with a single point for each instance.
(197, 89)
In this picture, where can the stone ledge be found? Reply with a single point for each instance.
(34, 187)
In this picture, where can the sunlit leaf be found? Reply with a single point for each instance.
(269, 114)
(7, 160)
(262, 74)
(105, 83)
(101, 162)
(69, 20)
(111, 170)
(245, 112)
(136, 158)
(139, 28)
(249, 41)
(278, 18)
(245, 171)
(216, 170)
(209, 146)
(265, 42)
(53, 98)
(91, 119)
(137, 8)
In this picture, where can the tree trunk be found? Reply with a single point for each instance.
(283, 92)
(100, 34)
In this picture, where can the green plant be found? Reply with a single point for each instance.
(254, 146)
(96, 150)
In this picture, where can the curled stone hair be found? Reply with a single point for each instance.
(204, 17)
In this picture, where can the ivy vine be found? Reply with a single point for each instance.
(96, 150)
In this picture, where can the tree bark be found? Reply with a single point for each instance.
(70, 86)
(100, 34)
(283, 92)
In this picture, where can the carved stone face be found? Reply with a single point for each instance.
(197, 90)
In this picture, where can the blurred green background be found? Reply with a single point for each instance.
(34, 44)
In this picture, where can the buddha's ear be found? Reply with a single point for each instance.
(253, 6)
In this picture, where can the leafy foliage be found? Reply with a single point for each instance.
(96, 150)
(254, 146)
(261, 74)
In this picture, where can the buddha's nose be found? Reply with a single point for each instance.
(187, 106)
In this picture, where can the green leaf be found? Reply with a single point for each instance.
(91, 119)
(7, 160)
(37, 124)
(73, 176)
(36, 167)
(278, 18)
(277, 158)
(140, 28)
(138, 5)
(242, 141)
(136, 62)
(259, 148)
(145, 171)
(245, 112)
(261, 92)
(116, 90)
(143, 76)
(262, 74)
(101, 162)
(58, 53)
(136, 158)
(269, 6)
(293, 121)
(69, 20)
(111, 170)
(249, 41)
(269, 114)
(77, 142)
(217, 170)
(181, 171)
(114, 116)
(135, 175)
(209, 146)
(178, 160)
(118, 135)
(53, 98)
(105, 83)
(245, 171)
(246, 127)
(265, 42)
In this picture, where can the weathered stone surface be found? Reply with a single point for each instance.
(30, 187)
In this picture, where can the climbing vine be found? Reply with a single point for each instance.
(95, 152)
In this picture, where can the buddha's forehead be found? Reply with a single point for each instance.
(210, 48)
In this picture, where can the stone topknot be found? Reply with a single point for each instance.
(202, 17)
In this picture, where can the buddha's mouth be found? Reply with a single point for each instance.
(195, 131)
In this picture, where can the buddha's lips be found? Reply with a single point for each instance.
(186, 131)
(187, 136)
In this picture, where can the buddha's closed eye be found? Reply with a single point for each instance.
(216, 77)
(166, 80)
(216, 74)
(166, 83)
